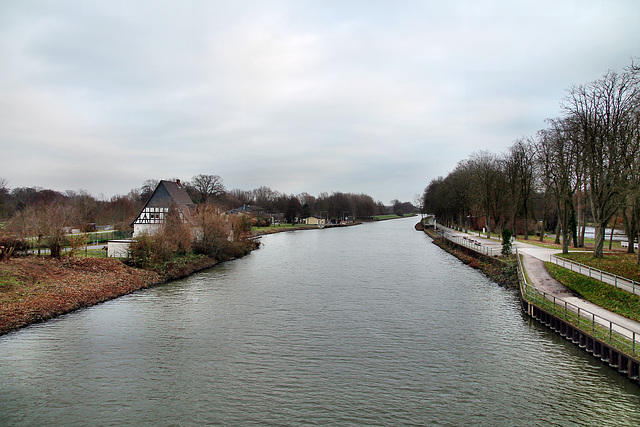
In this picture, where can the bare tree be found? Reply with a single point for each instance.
(47, 223)
(243, 196)
(605, 113)
(4, 196)
(485, 170)
(557, 156)
(520, 174)
(214, 231)
(147, 189)
(265, 197)
(206, 188)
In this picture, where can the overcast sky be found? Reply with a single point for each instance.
(375, 97)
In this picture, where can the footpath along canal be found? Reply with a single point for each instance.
(608, 336)
(365, 325)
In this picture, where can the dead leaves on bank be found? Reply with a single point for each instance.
(33, 289)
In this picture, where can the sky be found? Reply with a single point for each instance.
(374, 97)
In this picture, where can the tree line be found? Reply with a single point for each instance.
(47, 215)
(202, 188)
(583, 168)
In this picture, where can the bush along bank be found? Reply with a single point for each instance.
(503, 270)
(34, 289)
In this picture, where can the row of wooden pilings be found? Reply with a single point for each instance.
(623, 363)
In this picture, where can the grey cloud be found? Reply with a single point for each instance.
(371, 97)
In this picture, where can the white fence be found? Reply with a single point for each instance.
(603, 276)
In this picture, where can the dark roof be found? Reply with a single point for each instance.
(168, 193)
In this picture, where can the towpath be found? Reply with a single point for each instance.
(534, 258)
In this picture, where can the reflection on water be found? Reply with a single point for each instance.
(366, 325)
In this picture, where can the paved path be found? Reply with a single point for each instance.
(534, 258)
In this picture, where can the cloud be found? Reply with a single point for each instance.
(372, 97)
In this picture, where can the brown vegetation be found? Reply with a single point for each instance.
(501, 270)
(33, 289)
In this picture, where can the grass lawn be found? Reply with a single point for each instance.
(620, 263)
(91, 253)
(381, 217)
(606, 296)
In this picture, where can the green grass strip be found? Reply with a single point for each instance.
(606, 296)
(621, 264)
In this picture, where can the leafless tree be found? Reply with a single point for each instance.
(486, 177)
(605, 114)
(214, 231)
(47, 223)
(4, 193)
(206, 188)
(458, 188)
(243, 196)
(519, 168)
(147, 189)
(557, 155)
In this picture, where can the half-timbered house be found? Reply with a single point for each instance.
(167, 194)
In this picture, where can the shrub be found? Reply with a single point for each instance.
(143, 251)
(214, 232)
(506, 242)
(9, 245)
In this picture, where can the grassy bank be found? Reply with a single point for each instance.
(501, 270)
(34, 289)
(621, 263)
(608, 297)
(391, 216)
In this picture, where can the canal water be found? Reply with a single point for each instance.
(365, 325)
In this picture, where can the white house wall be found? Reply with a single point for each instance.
(150, 229)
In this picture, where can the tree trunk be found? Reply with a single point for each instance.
(487, 222)
(598, 250)
(565, 230)
(611, 234)
(573, 226)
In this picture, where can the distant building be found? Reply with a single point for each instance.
(429, 221)
(314, 220)
(166, 195)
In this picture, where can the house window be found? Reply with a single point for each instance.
(152, 216)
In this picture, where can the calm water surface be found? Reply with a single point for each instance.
(366, 325)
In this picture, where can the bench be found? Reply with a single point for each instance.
(625, 244)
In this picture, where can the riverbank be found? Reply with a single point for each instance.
(501, 270)
(284, 228)
(34, 289)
